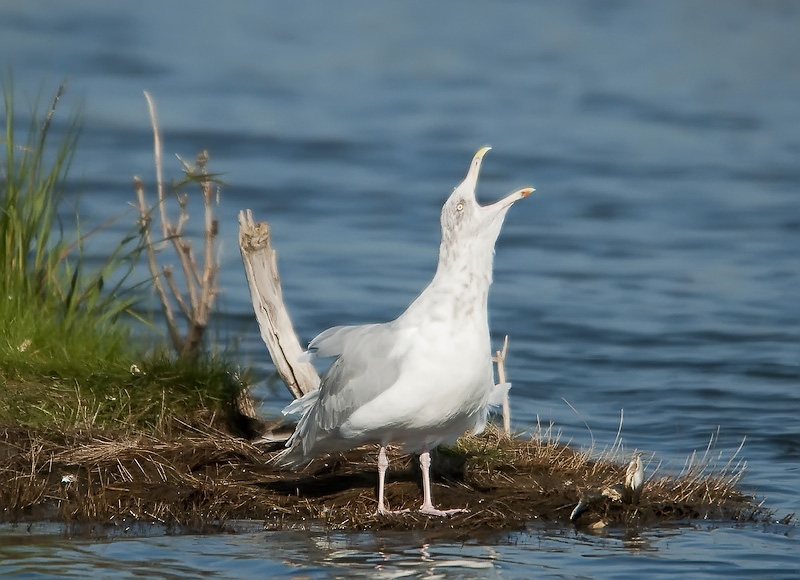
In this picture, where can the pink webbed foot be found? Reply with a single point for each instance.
(432, 511)
(427, 504)
(382, 511)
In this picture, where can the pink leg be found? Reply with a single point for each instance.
(427, 503)
(383, 465)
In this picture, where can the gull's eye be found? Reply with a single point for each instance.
(460, 206)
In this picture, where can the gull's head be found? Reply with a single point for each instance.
(464, 219)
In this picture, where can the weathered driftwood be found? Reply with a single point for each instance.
(261, 268)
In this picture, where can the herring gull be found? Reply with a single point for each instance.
(424, 378)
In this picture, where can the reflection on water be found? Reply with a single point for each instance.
(654, 270)
(540, 550)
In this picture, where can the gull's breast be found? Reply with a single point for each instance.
(442, 389)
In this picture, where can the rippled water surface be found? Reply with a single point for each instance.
(654, 271)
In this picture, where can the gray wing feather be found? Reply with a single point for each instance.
(366, 365)
(333, 341)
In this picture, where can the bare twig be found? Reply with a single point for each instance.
(145, 217)
(574, 410)
(167, 270)
(200, 288)
(159, 166)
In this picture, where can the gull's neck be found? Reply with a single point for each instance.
(465, 262)
(460, 287)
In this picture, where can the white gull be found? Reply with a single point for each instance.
(424, 378)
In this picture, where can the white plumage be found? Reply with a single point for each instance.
(424, 378)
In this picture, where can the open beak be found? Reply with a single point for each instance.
(512, 197)
(471, 180)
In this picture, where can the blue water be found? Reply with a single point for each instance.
(653, 274)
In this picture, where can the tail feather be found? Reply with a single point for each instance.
(299, 447)
(292, 457)
(301, 405)
(498, 394)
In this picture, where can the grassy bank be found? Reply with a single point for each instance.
(55, 311)
(67, 356)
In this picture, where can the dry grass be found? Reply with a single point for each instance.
(198, 479)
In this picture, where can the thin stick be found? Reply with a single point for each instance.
(169, 315)
(574, 410)
(210, 271)
(500, 360)
(157, 156)
(176, 292)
